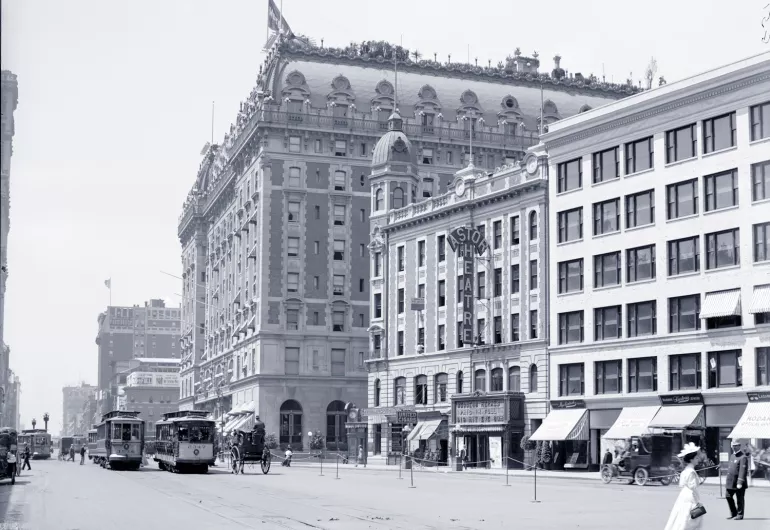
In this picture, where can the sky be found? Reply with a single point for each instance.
(115, 103)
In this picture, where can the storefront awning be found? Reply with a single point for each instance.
(755, 422)
(563, 424)
(678, 417)
(760, 301)
(429, 428)
(377, 418)
(230, 424)
(633, 421)
(721, 304)
(414, 433)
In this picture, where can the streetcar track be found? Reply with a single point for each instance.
(337, 511)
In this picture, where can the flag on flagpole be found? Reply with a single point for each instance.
(108, 283)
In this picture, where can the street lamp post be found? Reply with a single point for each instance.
(46, 417)
(406, 430)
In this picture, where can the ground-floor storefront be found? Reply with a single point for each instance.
(395, 431)
(580, 433)
(487, 429)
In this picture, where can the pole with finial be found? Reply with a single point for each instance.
(212, 123)
(395, 74)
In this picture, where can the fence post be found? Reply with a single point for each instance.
(338, 467)
(400, 464)
(321, 458)
(507, 465)
(411, 472)
(535, 499)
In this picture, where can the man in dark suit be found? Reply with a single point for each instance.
(736, 483)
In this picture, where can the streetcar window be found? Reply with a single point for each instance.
(135, 433)
(117, 429)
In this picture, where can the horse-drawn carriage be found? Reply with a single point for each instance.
(249, 448)
(647, 458)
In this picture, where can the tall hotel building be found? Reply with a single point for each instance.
(275, 231)
(660, 252)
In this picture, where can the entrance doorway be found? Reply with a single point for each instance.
(377, 438)
(477, 449)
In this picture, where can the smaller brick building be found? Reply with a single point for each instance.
(151, 387)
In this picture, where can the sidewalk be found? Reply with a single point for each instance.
(593, 476)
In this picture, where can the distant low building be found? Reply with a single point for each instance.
(74, 398)
(151, 387)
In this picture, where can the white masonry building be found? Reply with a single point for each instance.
(660, 255)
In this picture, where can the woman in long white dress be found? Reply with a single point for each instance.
(689, 497)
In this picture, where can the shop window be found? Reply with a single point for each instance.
(496, 381)
(291, 423)
(685, 372)
(421, 390)
(480, 380)
(643, 375)
(725, 369)
(399, 389)
(571, 379)
(336, 437)
(514, 379)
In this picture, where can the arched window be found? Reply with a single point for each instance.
(533, 378)
(291, 423)
(399, 391)
(378, 200)
(480, 380)
(398, 198)
(376, 392)
(336, 437)
(421, 390)
(459, 382)
(497, 380)
(439, 387)
(514, 379)
(532, 226)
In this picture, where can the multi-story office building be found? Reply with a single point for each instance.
(73, 400)
(480, 391)
(10, 100)
(126, 333)
(275, 232)
(151, 387)
(660, 253)
(12, 401)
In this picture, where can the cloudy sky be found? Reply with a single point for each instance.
(115, 105)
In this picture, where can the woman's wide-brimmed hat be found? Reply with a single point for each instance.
(688, 449)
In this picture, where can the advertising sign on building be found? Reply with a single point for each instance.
(483, 411)
(682, 399)
(140, 379)
(496, 452)
(170, 380)
(464, 241)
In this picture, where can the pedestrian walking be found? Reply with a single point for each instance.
(607, 457)
(27, 454)
(11, 461)
(287, 459)
(82, 454)
(687, 503)
(360, 456)
(736, 481)
(72, 453)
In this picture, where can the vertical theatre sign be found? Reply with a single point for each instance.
(464, 240)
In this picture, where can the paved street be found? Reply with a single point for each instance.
(66, 496)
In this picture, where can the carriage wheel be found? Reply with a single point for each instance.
(641, 476)
(666, 480)
(265, 464)
(235, 460)
(606, 474)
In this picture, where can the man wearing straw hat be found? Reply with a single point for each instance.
(736, 482)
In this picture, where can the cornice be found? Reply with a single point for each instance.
(556, 139)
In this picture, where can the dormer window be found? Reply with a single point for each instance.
(294, 106)
(340, 111)
(510, 128)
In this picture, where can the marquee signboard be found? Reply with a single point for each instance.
(464, 240)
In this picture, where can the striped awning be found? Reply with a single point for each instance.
(633, 421)
(679, 417)
(755, 422)
(429, 429)
(760, 301)
(563, 424)
(721, 304)
(414, 433)
(377, 418)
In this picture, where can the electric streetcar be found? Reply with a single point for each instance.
(119, 440)
(91, 436)
(184, 441)
(39, 441)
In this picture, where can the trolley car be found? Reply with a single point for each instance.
(64, 447)
(184, 441)
(119, 440)
(92, 443)
(79, 440)
(39, 441)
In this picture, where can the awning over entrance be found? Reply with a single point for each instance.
(760, 301)
(414, 433)
(678, 417)
(633, 421)
(429, 428)
(563, 424)
(755, 422)
(721, 304)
